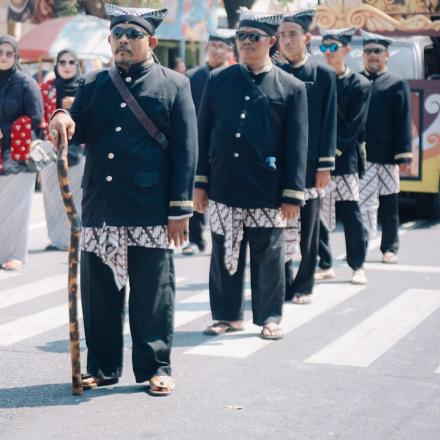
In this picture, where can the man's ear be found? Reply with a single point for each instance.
(272, 40)
(108, 39)
(308, 36)
(153, 42)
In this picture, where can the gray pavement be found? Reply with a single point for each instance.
(359, 363)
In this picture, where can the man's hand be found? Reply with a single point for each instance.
(322, 179)
(61, 130)
(178, 231)
(405, 168)
(67, 102)
(200, 200)
(289, 212)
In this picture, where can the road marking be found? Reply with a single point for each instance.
(32, 325)
(402, 268)
(243, 344)
(5, 274)
(41, 322)
(30, 291)
(375, 242)
(370, 339)
(192, 308)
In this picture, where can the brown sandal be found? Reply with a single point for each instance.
(162, 385)
(272, 331)
(90, 382)
(302, 299)
(221, 328)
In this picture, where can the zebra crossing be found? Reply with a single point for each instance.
(359, 346)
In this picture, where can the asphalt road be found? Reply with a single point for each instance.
(358, 363)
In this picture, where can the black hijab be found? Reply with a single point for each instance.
(66, 87)
(6, 74)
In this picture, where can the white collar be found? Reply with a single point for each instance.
(301, 63)
(345, 73)
(266, 68)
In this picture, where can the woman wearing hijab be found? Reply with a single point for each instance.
(59, 93)
(21, 113)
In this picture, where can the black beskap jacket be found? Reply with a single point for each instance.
(253, 138)
(389, 124)
(129, 180)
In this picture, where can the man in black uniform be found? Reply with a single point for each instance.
(136, 201)
(253, 146)
(388, 144)
(219, 52)
(320, 81)
(342, 195)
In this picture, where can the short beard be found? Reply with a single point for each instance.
(373, 68)
(124, 63)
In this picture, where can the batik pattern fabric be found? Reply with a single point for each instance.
(110, 243)
(341, 189)
(230, 222)
(378, 180)
(292, 234)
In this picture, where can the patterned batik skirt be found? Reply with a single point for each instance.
(378, 180)
(58, 226)
(16, 191)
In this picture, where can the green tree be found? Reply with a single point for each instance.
(66, 7)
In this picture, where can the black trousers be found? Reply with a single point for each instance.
(388, 216)
(151, 313)
(355, 239)
(303, 282)
(196, 227)
(226, 292)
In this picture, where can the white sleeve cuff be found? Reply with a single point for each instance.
(179, 217)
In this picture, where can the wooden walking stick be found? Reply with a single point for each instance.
(75, 228)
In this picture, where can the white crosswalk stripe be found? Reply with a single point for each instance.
(370, 339)
(33, 290)
(32, 325)
(402, 268)
(4, 275)
(375, 242)
(360, 346)
(241, 345)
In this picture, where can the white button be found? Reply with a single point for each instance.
(128, 79)
(109, 178)
(118, 129)
(123, 105)
(236, 155)
(111, 156)
(246, 98)
(243, 115)
(238, 135)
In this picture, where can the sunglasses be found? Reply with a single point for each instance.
(67, 62)
(375, 50)
(332, 47)
(7, 53)
(254, 37)
(131, 33)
